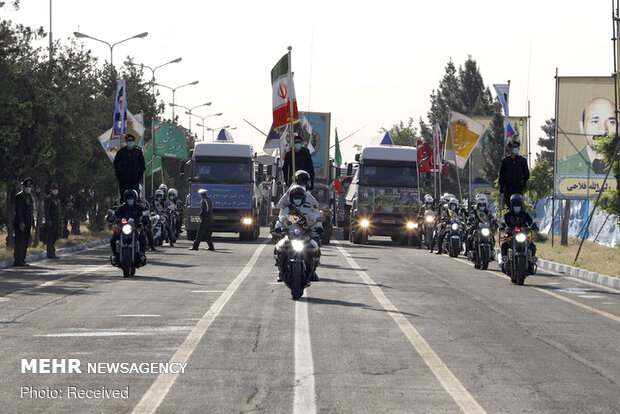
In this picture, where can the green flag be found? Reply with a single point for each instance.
(338, 157)
(153, 162)
(170, 140)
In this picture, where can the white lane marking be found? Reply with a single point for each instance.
(139, 316)
(591, 296)
(448, 380)
(147, 330)
(206, 291)
(49, 283)
(305, 397)
(608, 303)
(557, 296)
(553, 283)
(161, 386)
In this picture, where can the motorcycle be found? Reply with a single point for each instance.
(519, 263)
(128, 247)
(301, 254)
(428, 228)
(482, 246)
(156, 228)
(173, 221)
(453, 242)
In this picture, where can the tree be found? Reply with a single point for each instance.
(540, 184)
(549, 142)
(475, 97)
(403, 134)
(608, 146)
(496, 148)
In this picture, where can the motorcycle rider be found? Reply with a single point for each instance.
(450, 211)
(299, 205)
(146, 221)
(480, 213)
(176, 205)
(303, 179)
(130, 209)
(517, 217)
(159, 206)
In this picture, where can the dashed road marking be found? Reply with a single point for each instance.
(304, 401)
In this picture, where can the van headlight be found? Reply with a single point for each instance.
(298, 245)
(246, 221)
(520, 237)
(455, 226)
(127, 229)
(412, 225)
(364, 223)
(485, 232)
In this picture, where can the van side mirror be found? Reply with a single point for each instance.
(349, 170)
(357, 157)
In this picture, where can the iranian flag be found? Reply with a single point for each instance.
(283, 93)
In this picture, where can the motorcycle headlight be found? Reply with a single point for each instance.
(412, 225)
(485, 232)
(520, 237)
(127, 229)
(247, 221)
(298, 245)
(364, 223)
(455, 226)
(429, 219)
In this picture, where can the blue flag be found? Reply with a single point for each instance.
(387, 139)
(503, 93)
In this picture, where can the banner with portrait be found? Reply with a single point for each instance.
(586, 110)
(315, 129)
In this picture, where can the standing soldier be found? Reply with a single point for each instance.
(23, 222)
(129, 165)
(513, 173)
(52, 220)
(206, 221)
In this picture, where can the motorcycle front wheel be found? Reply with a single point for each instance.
(296, 280)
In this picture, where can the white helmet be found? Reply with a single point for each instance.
(453, 204)
(481, 201)
(159, 192)
(173, 193)
(164, 188)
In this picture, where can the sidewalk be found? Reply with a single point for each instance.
(43, 255)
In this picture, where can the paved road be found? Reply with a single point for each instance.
(387, 329)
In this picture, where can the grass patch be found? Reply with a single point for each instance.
(593, 256)
(73, 240)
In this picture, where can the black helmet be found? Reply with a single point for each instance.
(516, 200)
(297, 192)
(130, 194)
(302, 178)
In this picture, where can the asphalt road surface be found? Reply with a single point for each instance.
(388, 329)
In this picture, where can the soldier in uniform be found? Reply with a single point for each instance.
(52, 220)
(206, 221)
(23, 222)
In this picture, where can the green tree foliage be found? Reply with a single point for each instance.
(547, 142)
(540, 184)
(607, 146)
(496, 149)
(403, 134)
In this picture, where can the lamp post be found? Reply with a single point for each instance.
(111, 46)
(202, 118)
(220, 128)
(127, 62)
(174, 90)
(189, 111)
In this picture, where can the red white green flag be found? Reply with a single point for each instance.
(283, 93)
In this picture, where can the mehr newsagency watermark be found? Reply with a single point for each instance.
(47, 366)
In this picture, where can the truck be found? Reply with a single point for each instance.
(384, 196)
(226, 171)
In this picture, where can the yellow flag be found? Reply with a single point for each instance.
(465, 134)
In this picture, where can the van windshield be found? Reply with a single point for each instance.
(235, 172)
(393, 176)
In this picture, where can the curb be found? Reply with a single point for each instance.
(579, 273)
(40, 256)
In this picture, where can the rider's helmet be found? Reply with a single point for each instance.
(297, 195)
(453, 204)
(516, 203)
(481, 202)
(130, 196)
(428, 201)
(303, 178)
(445, 198)
(164, 188)
(173, 194)
(159, 194)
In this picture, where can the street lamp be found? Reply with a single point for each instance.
(202, 118)
(111, 46)
(129, 63)
(174, 90)
(219, 128)
(190, 113)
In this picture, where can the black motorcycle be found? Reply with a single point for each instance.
(128, 247)
(427, 225)
(482, 246)
(519, 262)
(453, 242)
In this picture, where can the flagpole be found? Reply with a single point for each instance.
(506, 116)
(291, 114)
(456, 167)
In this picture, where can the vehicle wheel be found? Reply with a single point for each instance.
(325, 239)
(243, 236)
(345, 233)
(455, 248)
(191, 234)
(484, 260)
(520, 270)
(297, 289)
(133, 270)
(364, 238)
(126, 270)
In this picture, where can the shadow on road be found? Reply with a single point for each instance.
(344, 282)
(334, 302)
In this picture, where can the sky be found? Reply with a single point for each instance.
(370, 64)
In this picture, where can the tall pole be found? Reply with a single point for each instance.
(51, 53)
(555, 158)
(291, 113)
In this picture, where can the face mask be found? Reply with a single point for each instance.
(131, 201)
(55, 192)
(172, 198)
(452, 207)
(482, 208)
(515, 150)
(158, 198)
(429, 205)
(130, 144)
(297, 201)
(297, 146)
(27, 190)
(516, 209)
